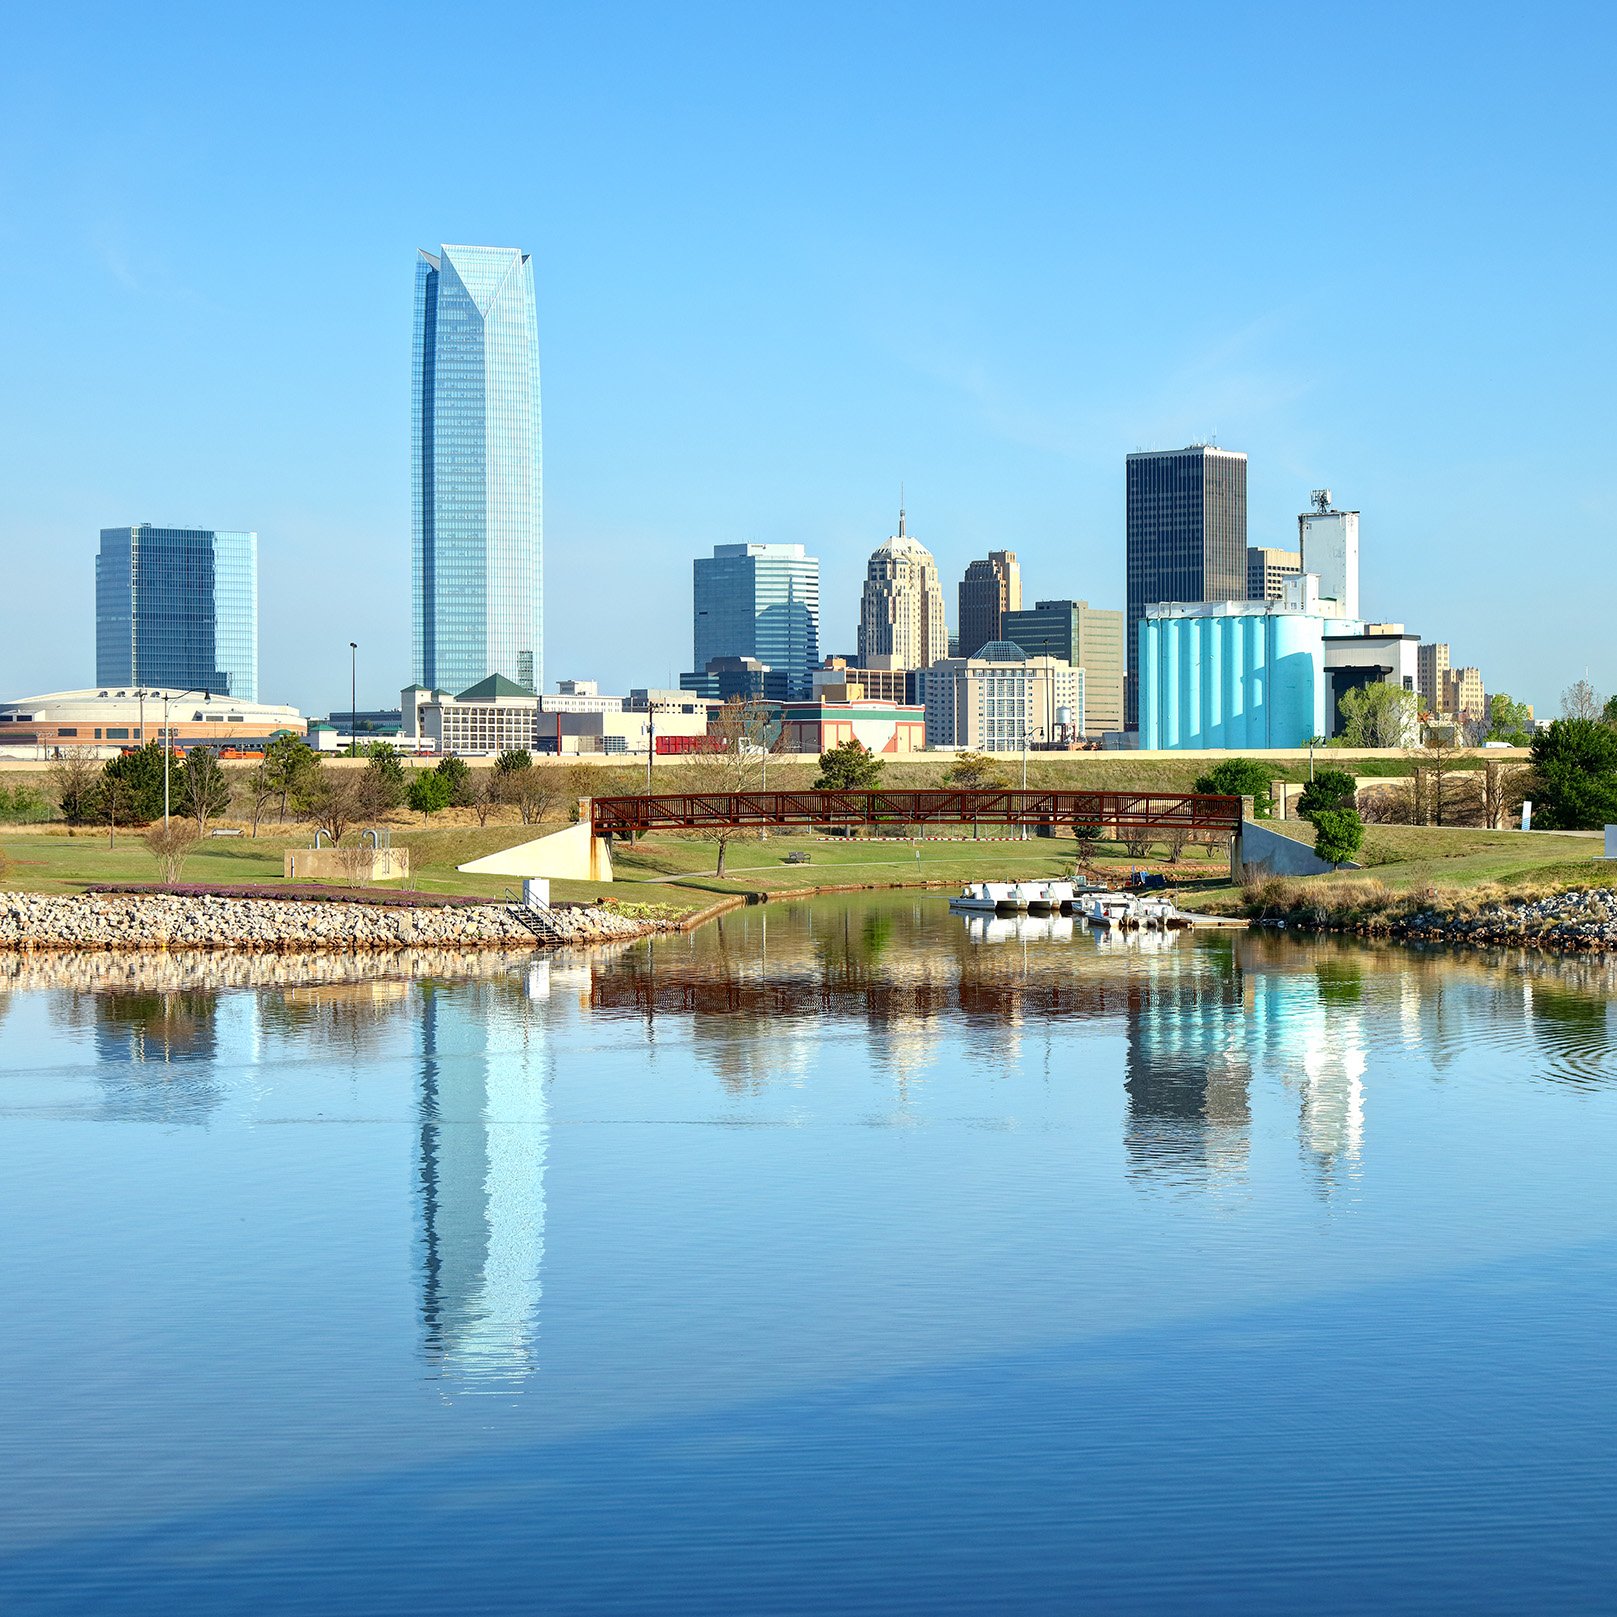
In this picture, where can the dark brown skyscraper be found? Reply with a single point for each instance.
(1186, 537)
(989, 590)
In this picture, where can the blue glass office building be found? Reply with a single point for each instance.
(477, 512)
(177, 609)
(759, 601)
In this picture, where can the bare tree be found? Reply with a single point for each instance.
(356, 862)
(342, 799)
(1580, 700)
(256, 792)
(1438, 751)
(535, 792)
(740, 736)
(487, 794)
(75, 779)
(1502, 794)
(171, 845)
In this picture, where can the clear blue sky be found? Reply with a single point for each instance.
(788, 255)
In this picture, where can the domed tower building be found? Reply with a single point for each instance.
(901, 618)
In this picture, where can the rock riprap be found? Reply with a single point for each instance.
(160, 921)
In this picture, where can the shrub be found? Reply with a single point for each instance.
(850, 767)
(1240, 777)
(1338, 834)
(1329, 789)
(429, 792)
(455, 774)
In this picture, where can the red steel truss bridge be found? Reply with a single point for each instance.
(1121, 813)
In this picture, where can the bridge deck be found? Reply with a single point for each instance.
(1140, 812)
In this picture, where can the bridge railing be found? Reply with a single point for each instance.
(1130, 812)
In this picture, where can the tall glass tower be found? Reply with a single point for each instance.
(177, 608)
(759, 601)
(1186, 538)
(477, 519)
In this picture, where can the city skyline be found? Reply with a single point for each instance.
(800, 341)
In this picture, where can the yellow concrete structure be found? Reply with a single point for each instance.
(575, 854)
(346, 864)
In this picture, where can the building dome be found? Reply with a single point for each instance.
(1002, 651)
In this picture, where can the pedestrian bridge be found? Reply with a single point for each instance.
(583, 852)
(1118, 814)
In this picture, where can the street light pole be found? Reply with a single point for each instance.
(353, 696)
(167, 745)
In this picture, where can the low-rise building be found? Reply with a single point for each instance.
(845, 679)
(496, 716)
(1000, 700)
(108, 720)
(882, 727)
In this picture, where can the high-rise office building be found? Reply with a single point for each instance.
(477, 516)
(901, 614)
(1267, 571)
(760, 601)
(1432, 675)
(177, 608)
(1086, 637)
(1329, 541)
(1186, 537)
(990, 589)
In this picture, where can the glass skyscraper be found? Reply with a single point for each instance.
(760, 601)
(177, 608)
(477, 544)
(1186, 537)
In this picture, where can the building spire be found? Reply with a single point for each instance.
(900, 510)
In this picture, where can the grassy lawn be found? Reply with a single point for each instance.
(1406, 857)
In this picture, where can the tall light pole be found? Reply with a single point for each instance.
(353, 697)
(1028, 734)
(168, 747)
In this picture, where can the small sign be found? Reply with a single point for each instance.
(1527, 814)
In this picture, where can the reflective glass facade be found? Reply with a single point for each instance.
(1186, 536)
(477, 574)
(177, 608)
(759, 601)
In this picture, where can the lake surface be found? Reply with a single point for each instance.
(842, 1257)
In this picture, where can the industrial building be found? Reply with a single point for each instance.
(496, 715)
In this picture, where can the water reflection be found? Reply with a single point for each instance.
(483, 1138)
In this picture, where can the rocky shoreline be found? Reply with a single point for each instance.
(1580, 921)
(160, 922)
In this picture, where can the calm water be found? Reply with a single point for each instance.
(841, 1258)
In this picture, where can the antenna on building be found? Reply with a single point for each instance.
(900, 510)
(1321, 498)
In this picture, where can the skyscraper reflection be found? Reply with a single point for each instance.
(484, 1135)
(1188, 1072)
